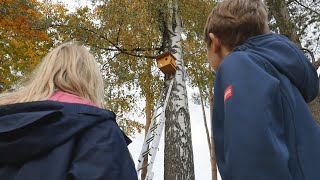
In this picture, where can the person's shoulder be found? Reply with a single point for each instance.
(240, 61)
(240, 65)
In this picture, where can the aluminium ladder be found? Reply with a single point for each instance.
(151, 142)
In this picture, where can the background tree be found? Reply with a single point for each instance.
(22, 44)
(200, 75)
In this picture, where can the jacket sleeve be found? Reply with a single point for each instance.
(251, 138)
(102, 154)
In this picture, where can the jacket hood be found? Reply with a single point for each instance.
(31, 129)
(288, 59)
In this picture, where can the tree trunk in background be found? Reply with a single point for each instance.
(279, 10)
(148, 121)
(212, 148)
(148, 111)
(209, 140)
(315, 109)
(178, 154)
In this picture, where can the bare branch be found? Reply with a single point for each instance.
(116, 46)
(299, 3)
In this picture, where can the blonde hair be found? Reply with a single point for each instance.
(70, 68)
(235, 21)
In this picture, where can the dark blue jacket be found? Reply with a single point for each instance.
(263, 129)
(54, 141)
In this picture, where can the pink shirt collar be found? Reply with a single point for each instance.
(61, 96)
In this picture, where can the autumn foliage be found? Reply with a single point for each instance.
(23, 41)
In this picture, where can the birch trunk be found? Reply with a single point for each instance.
(178, 154)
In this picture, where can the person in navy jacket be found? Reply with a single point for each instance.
(53, 127)
(262, 127)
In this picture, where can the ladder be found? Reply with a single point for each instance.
(151, 142)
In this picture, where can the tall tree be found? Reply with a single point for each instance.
(178, 154)
(199, 74)
(199, 99)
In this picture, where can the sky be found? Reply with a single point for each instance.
(202, 166)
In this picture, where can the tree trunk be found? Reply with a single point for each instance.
(279, 10)
(315, 109)
(212, 149)
(148, 121)
(148, 110)
(178, 154)
(212, 154)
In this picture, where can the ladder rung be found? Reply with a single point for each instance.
(154, 127)
(157, 116)
(150, 146)
(158, 107)
(143, 167)
(146, 152)
(150, 139)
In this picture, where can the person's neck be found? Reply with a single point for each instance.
(224, 51)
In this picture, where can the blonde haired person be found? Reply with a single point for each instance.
(53, 126)
(262, 126)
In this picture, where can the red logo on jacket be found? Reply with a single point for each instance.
(227, 93)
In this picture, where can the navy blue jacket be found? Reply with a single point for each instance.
(54, 141)
(263, 129)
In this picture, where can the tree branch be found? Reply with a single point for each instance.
(118, 35)
(310, 53)
(299, 3)
(116, 47)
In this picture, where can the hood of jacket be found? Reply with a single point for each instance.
(34, 128)
(288, 59)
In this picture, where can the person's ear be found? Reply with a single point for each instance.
(215, 43)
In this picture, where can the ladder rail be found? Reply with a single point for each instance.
(155, 144)
(145, 145)
(150, 147)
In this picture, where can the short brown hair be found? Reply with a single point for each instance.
(235, 21)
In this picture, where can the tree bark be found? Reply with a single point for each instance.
(315, 109)
(178, 154)
(279, 10)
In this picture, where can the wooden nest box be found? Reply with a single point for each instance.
(167, 64)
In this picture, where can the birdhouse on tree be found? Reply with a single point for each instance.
(167, 64)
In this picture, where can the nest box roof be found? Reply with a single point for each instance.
(167, 53)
